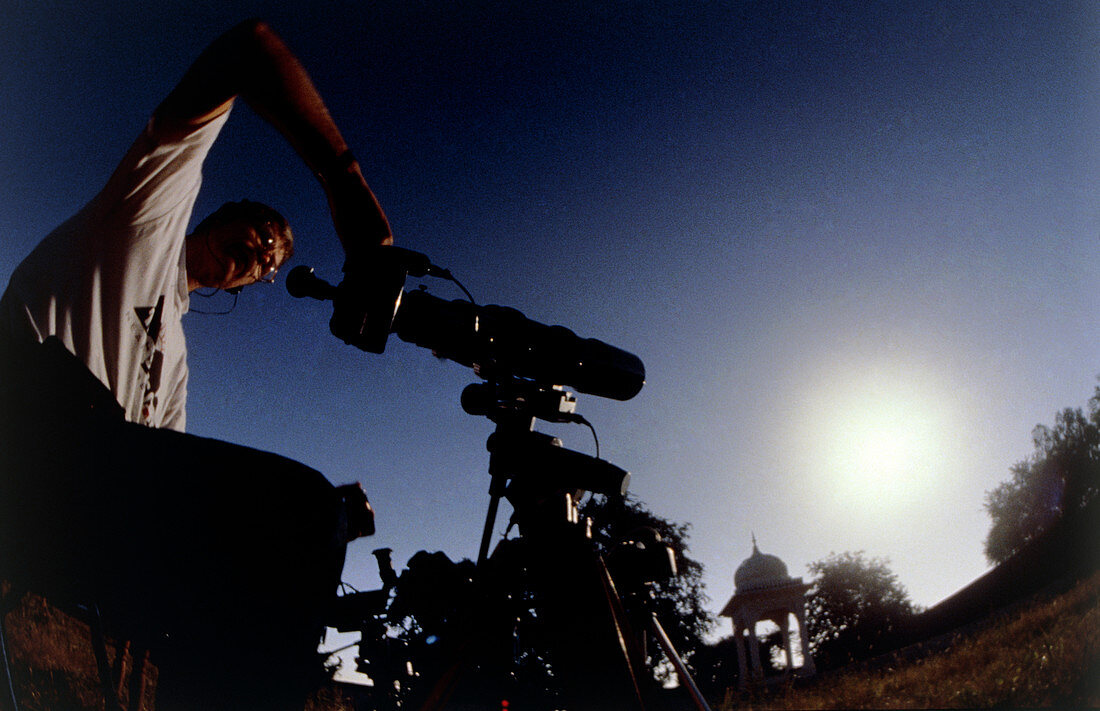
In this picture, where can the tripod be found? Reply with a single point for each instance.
(591, 644)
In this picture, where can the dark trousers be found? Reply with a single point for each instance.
(222, 559)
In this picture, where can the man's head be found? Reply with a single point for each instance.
(239, 244)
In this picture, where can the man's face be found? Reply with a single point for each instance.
(233, 255)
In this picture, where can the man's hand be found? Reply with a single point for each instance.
(367, 299)
(358, 511)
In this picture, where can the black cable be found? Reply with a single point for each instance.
(580, 419)
(446, 274)
(211, 295)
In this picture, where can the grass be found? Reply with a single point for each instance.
(1042, 654)
(52, 662)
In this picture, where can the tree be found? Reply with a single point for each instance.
(1059, 480)
(678, 601)
(856, 608)
(714, 667)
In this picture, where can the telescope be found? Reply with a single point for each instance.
(497, 342)
(524, 364)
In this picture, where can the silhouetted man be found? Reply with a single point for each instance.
(222, 558)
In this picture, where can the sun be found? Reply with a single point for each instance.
(883, 452)
(875, 450)
(880, 443)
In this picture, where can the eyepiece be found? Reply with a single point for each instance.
(302, 282)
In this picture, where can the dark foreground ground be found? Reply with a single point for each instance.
(1042, 653)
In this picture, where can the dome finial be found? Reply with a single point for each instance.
(754, 548)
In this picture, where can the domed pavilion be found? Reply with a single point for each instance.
(764, 591)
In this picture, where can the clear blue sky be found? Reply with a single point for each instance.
(856, 244)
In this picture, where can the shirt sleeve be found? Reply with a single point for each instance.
(159, 171)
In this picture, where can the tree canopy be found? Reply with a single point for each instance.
(856, 607)
(1059, 479)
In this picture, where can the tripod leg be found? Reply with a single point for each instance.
(629, 642)
(99, 646)
(594, 652)
(440, 693)
(487, 532)
(10, 686)
(681, 669)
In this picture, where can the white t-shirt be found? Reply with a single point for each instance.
(111, 281)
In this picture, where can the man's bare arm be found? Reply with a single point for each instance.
(252, 62)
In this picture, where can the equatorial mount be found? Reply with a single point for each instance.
(540, 478)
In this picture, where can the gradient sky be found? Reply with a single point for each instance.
(856, 244)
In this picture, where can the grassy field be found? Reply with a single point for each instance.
(1042, 654)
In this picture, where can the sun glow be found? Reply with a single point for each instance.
(880, 443)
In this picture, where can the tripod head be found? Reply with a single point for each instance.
(542, 480)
